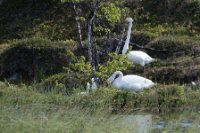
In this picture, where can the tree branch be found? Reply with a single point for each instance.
(90, 44)
(121, 39)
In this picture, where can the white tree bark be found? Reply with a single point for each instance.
(79, 36)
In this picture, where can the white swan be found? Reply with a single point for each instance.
(138, 57)
(129, 82)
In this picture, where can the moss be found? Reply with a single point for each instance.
(141, 37)
(35, 58)
(174, 74)
(183, 69)
(64, 82)
(173, 46)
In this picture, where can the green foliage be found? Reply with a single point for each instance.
(20, 21)
(81, 66)
(50, 30)
(171, 96)
(183, 11)
(37, 19)
(112, 13)
(76, 74)
(58, 83)
(118, 63)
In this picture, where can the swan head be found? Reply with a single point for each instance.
(129, 19)
(114, 76)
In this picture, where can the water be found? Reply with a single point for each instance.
(151, 124)
(48, 118)
(137, 123)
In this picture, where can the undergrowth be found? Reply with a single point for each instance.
(164, 97)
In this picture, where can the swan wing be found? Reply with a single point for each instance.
(136, 82)
(139, 57)
(135, 78)
(134, 87)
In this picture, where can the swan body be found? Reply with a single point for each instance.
(129, 82)
(138, 57)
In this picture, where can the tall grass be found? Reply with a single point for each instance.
(24, 109)
(106, 98)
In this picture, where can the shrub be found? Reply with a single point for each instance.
(171, 96)
(35, 58)
(75, 75)
(118, 63)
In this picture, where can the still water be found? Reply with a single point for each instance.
(158, 123)
(51, 118)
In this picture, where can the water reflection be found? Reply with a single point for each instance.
(148, 124)
(158, 125)
(137, 123)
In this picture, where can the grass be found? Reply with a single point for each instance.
(24, 109)
(48, 118)
(164, 97)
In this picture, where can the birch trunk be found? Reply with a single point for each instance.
(90, 43)
(79, 37)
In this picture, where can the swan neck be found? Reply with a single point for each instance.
(126, 46)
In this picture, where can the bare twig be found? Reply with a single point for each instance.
(121, 39)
